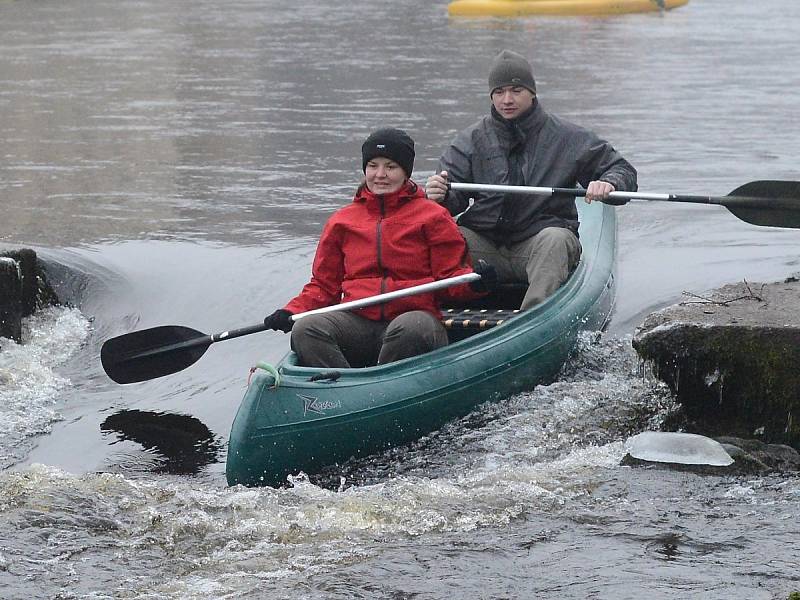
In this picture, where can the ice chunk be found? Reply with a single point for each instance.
(680, 448)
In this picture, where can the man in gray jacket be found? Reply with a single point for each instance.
(532, 239)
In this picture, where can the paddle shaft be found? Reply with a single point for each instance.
(385, 297)
(547, 191)
(769, 203)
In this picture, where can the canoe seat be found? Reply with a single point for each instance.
(475, 318)
(465, 320)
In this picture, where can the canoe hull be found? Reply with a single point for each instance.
(521, 8)
(303, 425)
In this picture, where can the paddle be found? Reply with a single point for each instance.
(159, 351)
(768, 203)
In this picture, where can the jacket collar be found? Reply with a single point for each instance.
(524, 125)
(409, 191)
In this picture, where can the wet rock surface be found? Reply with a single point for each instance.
(754, 456)
(23, 289)
(10, 299)
(731, 358)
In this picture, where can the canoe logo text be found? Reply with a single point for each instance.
(313, 405)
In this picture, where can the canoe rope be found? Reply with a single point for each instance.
(269, 369)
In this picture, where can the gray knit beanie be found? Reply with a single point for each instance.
(510, 68)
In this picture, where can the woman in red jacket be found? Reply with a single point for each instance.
(390, 237)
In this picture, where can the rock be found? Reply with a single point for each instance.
(746, 464)
(732, 360)
(23, 289)
(10, 299)
(771, 457)
(632, 461)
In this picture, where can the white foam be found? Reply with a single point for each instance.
(29, 381)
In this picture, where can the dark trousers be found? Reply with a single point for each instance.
(543, 261)
(343, 339)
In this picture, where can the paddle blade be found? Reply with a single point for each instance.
(151, 353)
(768, 203)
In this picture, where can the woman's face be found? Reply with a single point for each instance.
(384, 176)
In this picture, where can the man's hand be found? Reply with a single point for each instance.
(488, 281)
(598, 190)
(436, 187)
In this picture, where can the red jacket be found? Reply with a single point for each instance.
(382, 243)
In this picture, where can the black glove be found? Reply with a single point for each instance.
(488, 281)
(280, 320)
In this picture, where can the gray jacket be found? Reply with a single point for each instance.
(548, 152)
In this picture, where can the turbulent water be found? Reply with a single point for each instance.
(173, 163)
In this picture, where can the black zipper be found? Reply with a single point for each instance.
(378, 236)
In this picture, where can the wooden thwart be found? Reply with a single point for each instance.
(470, 318)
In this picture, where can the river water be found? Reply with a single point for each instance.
(173, 163)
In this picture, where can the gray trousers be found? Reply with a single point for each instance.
(543, 261)
(343, 339)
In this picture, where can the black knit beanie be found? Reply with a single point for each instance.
(391, 143)
(510, 68)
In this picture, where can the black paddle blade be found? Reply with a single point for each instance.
(768, 203)
(151, 353)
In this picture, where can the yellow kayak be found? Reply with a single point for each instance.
(521, 8)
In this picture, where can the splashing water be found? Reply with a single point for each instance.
(29, 380)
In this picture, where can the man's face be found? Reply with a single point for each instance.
(512, 100)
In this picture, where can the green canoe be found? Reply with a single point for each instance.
(316, 418)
